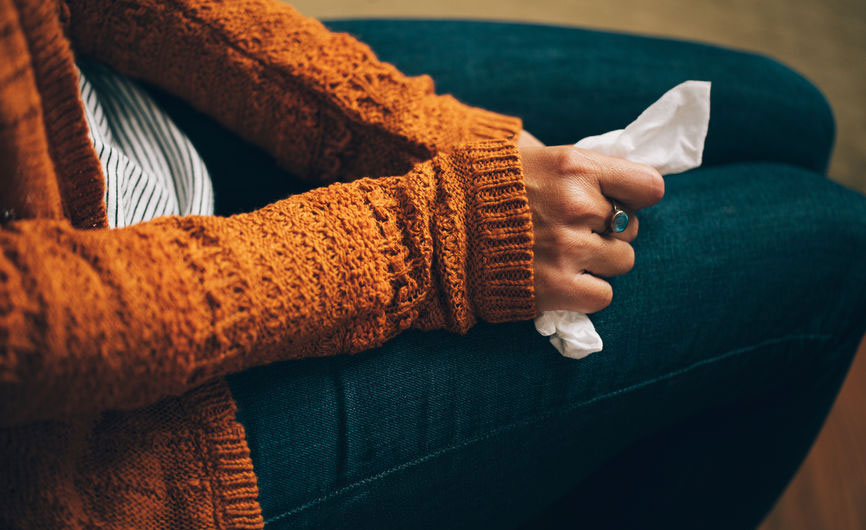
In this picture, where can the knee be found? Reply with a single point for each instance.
(799, 95)
(824, 224)
(800, 235)
(811, 249)
(764, 110)
(835, 214)
(815, 213)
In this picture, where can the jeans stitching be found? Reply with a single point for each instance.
(536, 419)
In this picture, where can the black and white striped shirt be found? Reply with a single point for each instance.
(150, 166)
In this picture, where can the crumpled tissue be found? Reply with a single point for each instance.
(669, 135)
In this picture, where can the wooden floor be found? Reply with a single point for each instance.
(825, 40)
(829, 492)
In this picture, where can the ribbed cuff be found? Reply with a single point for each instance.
(500, 226)
(484, 125)
(452, 123)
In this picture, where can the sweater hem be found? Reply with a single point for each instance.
(234, 483)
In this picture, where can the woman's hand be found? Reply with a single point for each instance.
(524, 139)
(570, 192)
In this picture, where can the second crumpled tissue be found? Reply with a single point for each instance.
(669, 135)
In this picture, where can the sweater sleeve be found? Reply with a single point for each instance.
(105, 319)
(320, 102)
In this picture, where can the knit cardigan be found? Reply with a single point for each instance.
(113, 343)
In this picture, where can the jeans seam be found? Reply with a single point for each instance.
(542, 417)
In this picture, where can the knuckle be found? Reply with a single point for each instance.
(569, 160)
(573, 161)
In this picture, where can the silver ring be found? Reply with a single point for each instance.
(619, 219)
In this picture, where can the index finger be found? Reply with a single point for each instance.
(635, 185)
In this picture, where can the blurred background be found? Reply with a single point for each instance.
(824, 40)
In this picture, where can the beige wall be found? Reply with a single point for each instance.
(824, 39)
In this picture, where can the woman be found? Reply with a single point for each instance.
(724, 346)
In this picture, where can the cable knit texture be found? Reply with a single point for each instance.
(113, 413)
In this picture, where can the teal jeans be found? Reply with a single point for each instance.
(724, 347)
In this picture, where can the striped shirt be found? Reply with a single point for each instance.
(150, 166)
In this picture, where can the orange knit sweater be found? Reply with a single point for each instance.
(113, 343)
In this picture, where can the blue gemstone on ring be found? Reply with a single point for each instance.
(619, 222)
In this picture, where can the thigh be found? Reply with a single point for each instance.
(568, 83)
(743, 274)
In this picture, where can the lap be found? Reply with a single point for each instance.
(568, 83)
(740, 271)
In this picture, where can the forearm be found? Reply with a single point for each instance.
(320, 102)
(102, 319)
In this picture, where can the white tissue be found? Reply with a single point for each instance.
(669, 135)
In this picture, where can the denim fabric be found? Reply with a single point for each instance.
(724, 347)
